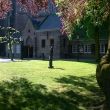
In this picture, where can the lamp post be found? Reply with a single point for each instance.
(77, 48)
(51, 57)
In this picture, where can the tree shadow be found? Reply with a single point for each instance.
(84, 90)
(21, 94)
(77, 93)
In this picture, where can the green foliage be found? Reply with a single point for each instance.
(1, 39)
(95, 15)
(90, 28)
(78, 30)
(84, 29)
(11, 35)
(96, 10)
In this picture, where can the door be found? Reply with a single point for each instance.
(28, 52)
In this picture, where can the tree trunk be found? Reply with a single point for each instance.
(10, 48)
(97, 44)
(103, 74)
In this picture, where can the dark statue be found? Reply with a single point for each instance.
(51, 57)
(103, 78)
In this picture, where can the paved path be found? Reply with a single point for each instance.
(4, 60)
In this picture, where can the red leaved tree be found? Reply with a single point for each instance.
(32, 6)
(5, 7)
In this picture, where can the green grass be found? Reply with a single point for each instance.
(70, 85)
(38, 72)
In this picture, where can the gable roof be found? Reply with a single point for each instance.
(21, 20)
(51, 22)
(35, 23)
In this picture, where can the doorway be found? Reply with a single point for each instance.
(28, 52)
(28, 48)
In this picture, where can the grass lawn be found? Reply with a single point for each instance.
(70, 85)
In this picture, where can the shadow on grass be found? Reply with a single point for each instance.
(20, 94)
(84, 90)
(59, 68)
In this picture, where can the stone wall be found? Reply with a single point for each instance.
(47, 36)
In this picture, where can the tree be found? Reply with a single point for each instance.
(71, 12)
(5, 7)
(99, 11)
(93, 13)
(11, 37)
(31, 6)
(96, 13)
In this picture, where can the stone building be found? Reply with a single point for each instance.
(37, 33)
(38, 39)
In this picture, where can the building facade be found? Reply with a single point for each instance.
(40, 32)
(86, 48)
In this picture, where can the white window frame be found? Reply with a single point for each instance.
(74, 48)
(88, 47)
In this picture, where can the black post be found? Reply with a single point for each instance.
(51, 58)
